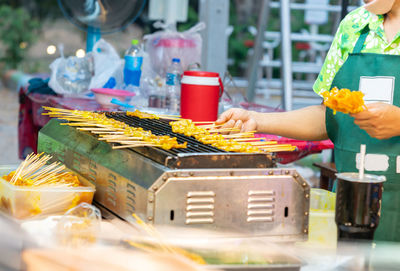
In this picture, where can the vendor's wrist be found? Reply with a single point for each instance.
(254, 116)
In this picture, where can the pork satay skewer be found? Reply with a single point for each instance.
(96, 129)
(201, 122)
(278, 145)
(239, 135)
(251, 139)
(263, 143)
(120, 138)
(84, 124)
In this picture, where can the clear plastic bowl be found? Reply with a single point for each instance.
(27, 202)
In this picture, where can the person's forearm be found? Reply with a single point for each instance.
(303, 124)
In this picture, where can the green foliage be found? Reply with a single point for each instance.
(192, 19)
(237, 51)
(18, 31)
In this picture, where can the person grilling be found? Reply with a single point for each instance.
(364, 55)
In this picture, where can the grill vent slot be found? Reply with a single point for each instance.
(200, 207)
(131, 197)
(261, 206)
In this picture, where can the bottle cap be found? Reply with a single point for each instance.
(177, 60)
(135, 42)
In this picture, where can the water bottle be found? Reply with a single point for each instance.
(133, 64)
(173, 85)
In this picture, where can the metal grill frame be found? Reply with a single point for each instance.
(127, 182)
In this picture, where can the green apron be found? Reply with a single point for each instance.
(347, 136)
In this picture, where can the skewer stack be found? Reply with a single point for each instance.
(38, 187)
(126, 136)
(240, 142)
(33, 171)
(114, 131)
(209, 133)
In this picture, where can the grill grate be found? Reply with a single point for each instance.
(162, 127)
(196, 155)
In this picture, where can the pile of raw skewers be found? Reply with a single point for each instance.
(113, 131)
(34, 171)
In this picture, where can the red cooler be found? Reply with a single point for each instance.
(200, 93)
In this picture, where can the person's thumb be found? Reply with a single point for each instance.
(222, 118)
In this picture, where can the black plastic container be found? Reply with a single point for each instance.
(358, 205)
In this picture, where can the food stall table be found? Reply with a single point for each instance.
(31, 120)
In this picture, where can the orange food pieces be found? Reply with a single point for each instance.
(344, 100)
(142, 115)
(188, 128)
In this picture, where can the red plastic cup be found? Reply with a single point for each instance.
(200, 93)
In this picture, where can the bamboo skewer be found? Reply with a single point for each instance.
(223, 130)
(83, 124)
(135, 146)
(134, 142)
(119, 138)
(251, 139)
(264, 143)
(95, 129)
(110, 133)
(244, 134)
(200, 122)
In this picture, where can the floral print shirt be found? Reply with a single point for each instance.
(345, 40)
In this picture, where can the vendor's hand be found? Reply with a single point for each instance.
(238, 118)
(380, 120)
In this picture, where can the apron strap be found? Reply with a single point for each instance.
(361, 40)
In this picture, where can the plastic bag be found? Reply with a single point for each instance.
(75, 76)
(71, 76)
(107, 64)
(164, 45)
(79, 226)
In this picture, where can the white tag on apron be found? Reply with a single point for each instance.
(398, 164)
(377, 89)
(374, 162)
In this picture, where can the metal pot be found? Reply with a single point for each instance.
(358, 205)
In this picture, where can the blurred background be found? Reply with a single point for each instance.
(32, 30)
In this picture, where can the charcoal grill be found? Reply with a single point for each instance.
(197, 154)
(198, 187)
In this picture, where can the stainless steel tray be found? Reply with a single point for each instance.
(266, 267)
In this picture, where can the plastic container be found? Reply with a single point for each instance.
(104, 96)
(173, 85)
(322, 226)
(27, 202)
(133, 64)
(200, 93)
